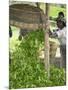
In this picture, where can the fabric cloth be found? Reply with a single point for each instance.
(63, 55)
(62, 36)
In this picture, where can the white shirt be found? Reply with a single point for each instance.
(62, 36)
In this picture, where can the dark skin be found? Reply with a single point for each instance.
(60, 15)
(60, 25)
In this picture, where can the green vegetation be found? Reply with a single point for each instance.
(54, 10)
(14, 40)
(26, 69)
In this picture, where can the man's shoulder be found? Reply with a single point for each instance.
(64, 29)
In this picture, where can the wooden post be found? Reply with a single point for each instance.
(46, 52)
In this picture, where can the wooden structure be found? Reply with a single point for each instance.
(26, 16)
(30, 17)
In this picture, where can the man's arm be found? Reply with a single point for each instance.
(53, 34)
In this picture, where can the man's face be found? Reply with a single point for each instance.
(61, 16)
(60, 24)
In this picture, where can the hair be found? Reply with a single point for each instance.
(61, 13)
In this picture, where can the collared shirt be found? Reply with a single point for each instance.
(61, 33)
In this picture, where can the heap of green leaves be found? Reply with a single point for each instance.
(26, 70)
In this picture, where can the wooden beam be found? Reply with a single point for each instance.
(46, 53)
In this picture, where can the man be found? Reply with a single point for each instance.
(60, 33)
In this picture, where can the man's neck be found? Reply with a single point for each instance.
(61, 28)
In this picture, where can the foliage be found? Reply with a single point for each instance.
(54, 10)
(57, 76)
(26, 69)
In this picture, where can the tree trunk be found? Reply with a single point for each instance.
(46, 53)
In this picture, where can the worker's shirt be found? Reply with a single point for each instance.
(61, 34)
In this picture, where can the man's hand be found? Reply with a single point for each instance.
(50, 33)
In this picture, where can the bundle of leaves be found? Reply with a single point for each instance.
(26, 70)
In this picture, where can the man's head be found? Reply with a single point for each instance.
(60, 14)
(61, 23)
